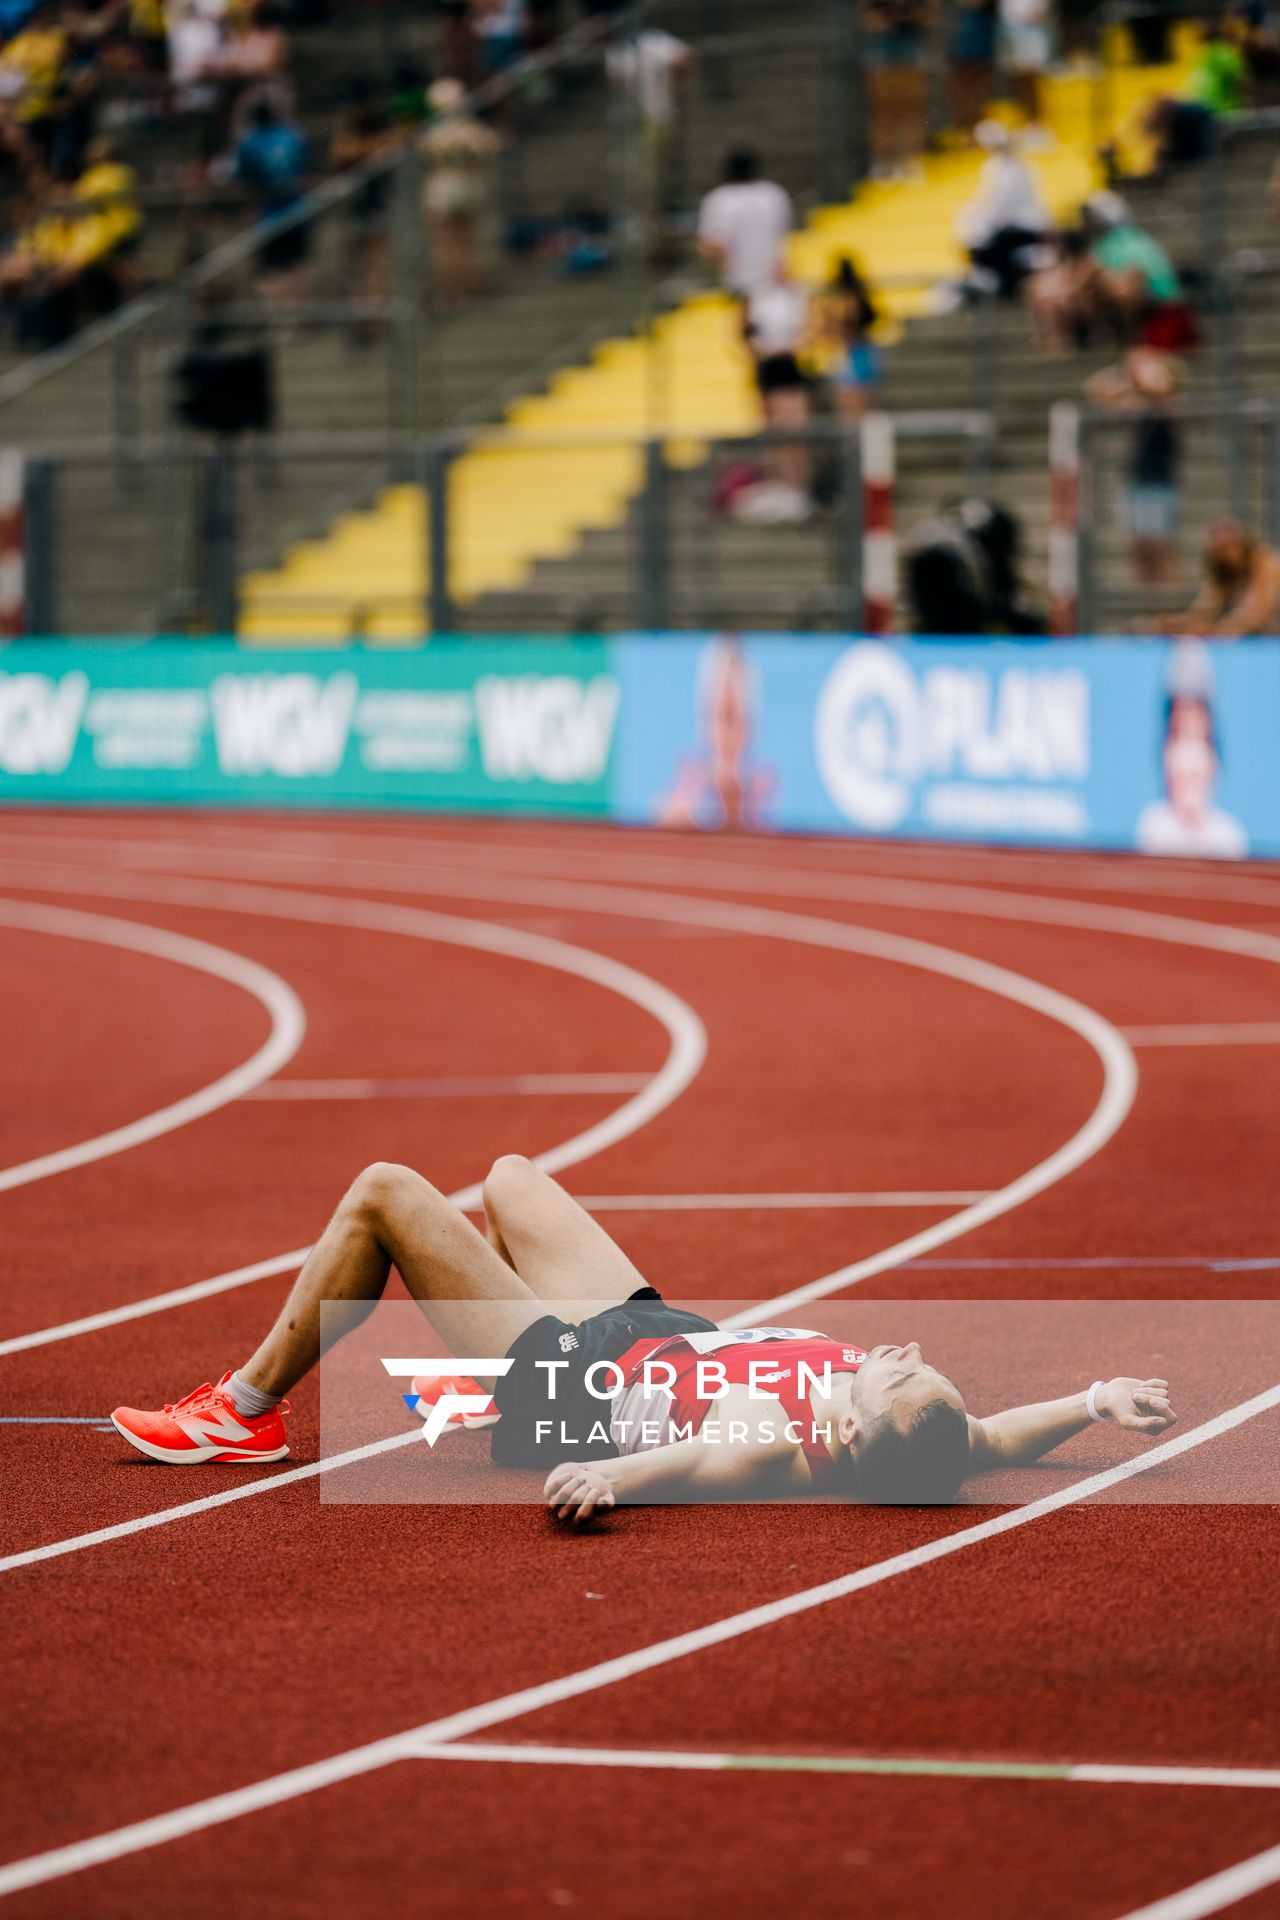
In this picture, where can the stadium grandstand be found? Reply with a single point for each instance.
(242, 305)
(639, 878)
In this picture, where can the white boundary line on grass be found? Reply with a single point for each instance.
(1120, 1074)
(279, 1788)
(283, 1007)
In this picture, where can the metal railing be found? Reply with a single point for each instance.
(659, 545)
(1224, 467)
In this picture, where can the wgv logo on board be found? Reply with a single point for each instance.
(40, 720)
(293, 725)
(546, 726)
(888, 733)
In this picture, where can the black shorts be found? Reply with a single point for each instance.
(779, 373)
(523, 1395)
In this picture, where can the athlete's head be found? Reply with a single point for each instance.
(906, 1431)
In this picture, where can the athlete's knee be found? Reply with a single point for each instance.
(377, 1194)
(510, 1175)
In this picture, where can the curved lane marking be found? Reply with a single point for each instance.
(277, 1789)
(1249, 883)
(1115, 1099)
(686, 1052)
(288, 1024)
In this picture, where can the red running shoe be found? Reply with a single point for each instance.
(204, 1427)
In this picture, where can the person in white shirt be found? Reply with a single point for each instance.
(743, 225)
(1025, 34)
(1006, 218)
(778, 326)
(651, 71)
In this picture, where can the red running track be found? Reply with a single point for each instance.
(162, 1668)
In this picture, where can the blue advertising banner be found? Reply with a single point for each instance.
(1168, 747)
(519, 725)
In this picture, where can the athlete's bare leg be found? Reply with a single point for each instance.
(389, 1217)
(554, 1245)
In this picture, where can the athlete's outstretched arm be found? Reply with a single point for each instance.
(1024, 1434)
(748, 1456)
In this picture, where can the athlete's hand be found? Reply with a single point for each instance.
(1142, 1406)
(577, 1493)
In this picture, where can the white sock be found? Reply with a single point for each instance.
(252, 1402)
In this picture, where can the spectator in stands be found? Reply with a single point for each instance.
(408, 103)
(75, 110)
(1143, 386)
(500, 29)
(1133, 285)
(1240, 598)
(1258, 36)
(893, 41)
(1218, 80)
(847, 317)
(777, 328)
(972, 55)
(1006, 220)
(1027, 43)
(651, 69)
(255, 63)
(146, 46)
(459, 150)
(31, 67)
(62, 265)
(362, 137)
(1182, 128)
(274, 161)
(743, 224)
(195, 70)
(456, 47)
(1180, 132)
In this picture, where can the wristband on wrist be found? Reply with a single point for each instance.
(1091, 1401)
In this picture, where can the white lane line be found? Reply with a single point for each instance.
(682, 1759)
(1161, 878)
(1225, 1033)
(1113, 1103)
(164, 1516)
(1119, 1069)
(1218, 1891)
(162, 1302)
(1103, 1262)
(768, 1202)
(455, 1087)
(279, 1788)
(284, 1009)
(735, 876)
(687, 1050)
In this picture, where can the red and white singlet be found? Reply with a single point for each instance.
(766, 1359)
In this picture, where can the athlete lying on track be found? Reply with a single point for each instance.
(881, 1426)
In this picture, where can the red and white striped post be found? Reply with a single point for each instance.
(879, 546)
(1064, 518)
(13, 572)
